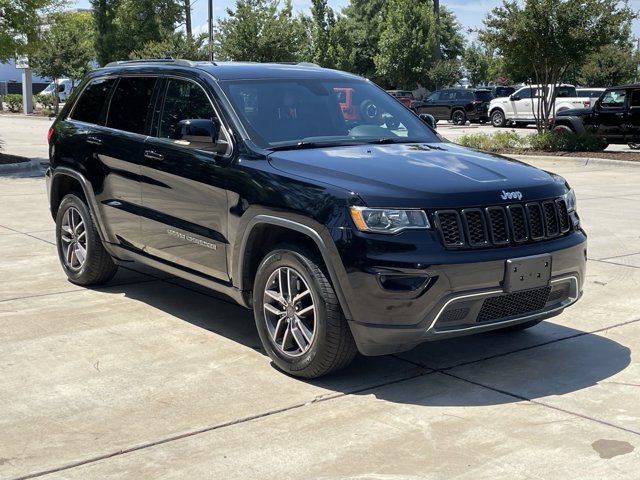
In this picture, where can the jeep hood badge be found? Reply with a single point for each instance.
(511, 195)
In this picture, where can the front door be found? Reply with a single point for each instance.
(610, 115)
(633, 117)
(183, 185)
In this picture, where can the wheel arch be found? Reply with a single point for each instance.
(575, 123)
(264, 232)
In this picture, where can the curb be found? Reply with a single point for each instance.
(33, 165)
(581, 161)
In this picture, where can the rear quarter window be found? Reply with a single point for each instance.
(90, 105)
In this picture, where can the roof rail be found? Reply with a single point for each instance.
(175, 61)
(302, 64)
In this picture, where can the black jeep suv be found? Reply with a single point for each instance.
(457, 105)
(344, 230)
(615, 116)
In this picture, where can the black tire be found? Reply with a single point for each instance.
(458, 117)
(520, 326)
(498, 119)
(563, 130)
(332, 346)
(97, 267)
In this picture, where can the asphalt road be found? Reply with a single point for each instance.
(153, 377)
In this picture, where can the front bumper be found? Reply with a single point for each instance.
(455, 297)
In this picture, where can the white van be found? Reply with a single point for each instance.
(65, 86)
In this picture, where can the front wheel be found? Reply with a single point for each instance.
(298, 316)
(80, 249)
(498, 119)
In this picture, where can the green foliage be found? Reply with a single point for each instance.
(450, 34)
(444, 73)
(548, 37)
(329, 40)
(14, 102)
(512, 142)
(609, 66)
(406, 43)
(46, 101)
(125, 26)
(495, 142)
(366, 20)
(177, 45)
(477, 62)
(260, 31)
(19, 25)
(66, 49)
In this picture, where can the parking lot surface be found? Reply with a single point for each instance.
(153, 377)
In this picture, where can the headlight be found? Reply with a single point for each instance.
(386, 220)
(570, 200)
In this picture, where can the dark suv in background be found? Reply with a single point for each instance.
(345, 229)
(458, 105)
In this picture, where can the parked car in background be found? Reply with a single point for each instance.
(403, 96)
(590, 92)
(614, 117)
(458, 105)
(64, 88)
(502, 91)
(521, 107)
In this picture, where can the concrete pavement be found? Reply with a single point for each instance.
(152, 377)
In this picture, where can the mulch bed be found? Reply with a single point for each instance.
(626, 156)
(6, 159)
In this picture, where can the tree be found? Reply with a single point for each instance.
(20, 25)
(260, 31)
(548, 37)
(329, 42)
(611, 65)
(444, 73)
(406, 44)
(115, 20)
(66, 49)
(450, 35)
(177, 45)
(365, 19)
(477, 62)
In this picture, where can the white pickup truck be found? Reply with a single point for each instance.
(519, 107)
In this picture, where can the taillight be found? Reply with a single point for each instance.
(49, 134)
(586, 103)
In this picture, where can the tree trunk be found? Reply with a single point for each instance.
(187, 17)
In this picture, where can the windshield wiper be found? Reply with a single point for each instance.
(303, 145)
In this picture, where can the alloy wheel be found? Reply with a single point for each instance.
(73, 235)
(289, 312)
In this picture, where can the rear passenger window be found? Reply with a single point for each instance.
(91, 103)
(130, 104)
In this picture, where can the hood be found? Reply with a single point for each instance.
(434, 175)
(575, 112)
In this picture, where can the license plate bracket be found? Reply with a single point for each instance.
(527, 273)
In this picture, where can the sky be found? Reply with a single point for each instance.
(470, 13)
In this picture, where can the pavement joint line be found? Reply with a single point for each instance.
(615, 263)
(211, 428)
(617, 256)
(543, 404)
(27, 234)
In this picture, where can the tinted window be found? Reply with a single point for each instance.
(464, 95)
(484, 95)
(527, 92)
(90, 104)
(635, 98)
(613, 99)
(434, 97)
(130, 104)
(567, 92)
(183, 100)
(283, 113)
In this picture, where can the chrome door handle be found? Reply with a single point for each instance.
(153, 155)
(94, 140)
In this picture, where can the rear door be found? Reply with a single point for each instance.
(120, 152)
(633, 117)
(610, 115)
(184, 187)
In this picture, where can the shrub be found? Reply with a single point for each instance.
(13, 101)
(553, 141)
(45, 100)
(496, 142)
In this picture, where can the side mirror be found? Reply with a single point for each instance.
(429, 120)
(513, 97)
(197, 130)
(596, 105)
(60, 88)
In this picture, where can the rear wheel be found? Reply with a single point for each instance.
(458, 117)
(298, 316)
(82, 255)
(498, 119)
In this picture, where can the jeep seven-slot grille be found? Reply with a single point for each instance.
(496, 226)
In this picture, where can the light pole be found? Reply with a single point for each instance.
(210, 30)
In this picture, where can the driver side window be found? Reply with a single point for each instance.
(613, 99)
(184, 100)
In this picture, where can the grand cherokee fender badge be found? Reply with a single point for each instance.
(511, 195)
(189, 238)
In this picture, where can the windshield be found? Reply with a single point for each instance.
(278, 113)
